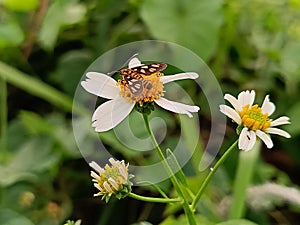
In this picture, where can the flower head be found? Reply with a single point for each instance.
(111, 180)
(253, 120)
(125, 93)
(71, 222)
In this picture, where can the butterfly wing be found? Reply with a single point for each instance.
(134, 79)
(149, 68)
(134, 83)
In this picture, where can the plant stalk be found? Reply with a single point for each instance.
(185, 204)
(243, 177)
(3, 114)
(151, 199)
(211, 174)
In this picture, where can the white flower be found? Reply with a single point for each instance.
(112, 179)
(254, 120)
(122, 100)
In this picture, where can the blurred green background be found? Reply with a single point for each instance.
(45, 47)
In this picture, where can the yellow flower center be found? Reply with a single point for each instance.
(253, 118)
(146, 88)
(111, 180)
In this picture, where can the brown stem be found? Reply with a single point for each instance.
(34, 28)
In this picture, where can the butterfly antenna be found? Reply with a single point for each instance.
(112, 72)
(128, 60)
(125, 64)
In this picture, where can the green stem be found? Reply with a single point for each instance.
(211, 174)
(151, 199)
(3, 114)
(247, 161)
(155, 187)
(156, 146)
(186, 207)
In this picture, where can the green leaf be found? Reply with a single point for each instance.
(190, 131)
(9, 217)
(237, 222)
(60, 13)
(33, 157)
(71, 67)
(10, 32)
(193, 24)
(294, 112)
(24, 5)
(55, 126)
(289, 64)
(34, 123)
(173, 163)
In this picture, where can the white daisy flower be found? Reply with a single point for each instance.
(111, 180)
(254, 120)
(122, 99)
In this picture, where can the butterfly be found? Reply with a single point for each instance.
(133, 77)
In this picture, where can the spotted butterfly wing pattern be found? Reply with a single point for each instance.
(134, 79)
(149, 69)
(134, 82)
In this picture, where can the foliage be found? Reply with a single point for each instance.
(45, 47)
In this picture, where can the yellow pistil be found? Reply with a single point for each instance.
(254, 119)
(151, 89)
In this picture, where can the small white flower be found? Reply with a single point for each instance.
(112, 179)
(254, 120)
(122, 100)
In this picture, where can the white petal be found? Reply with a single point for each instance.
(107, 187)
(96, 185)
(265, 138)
(96, 167)
(113, 183)
(101, 85)
(267, 106)
(123, 173)
(134, 62)
(95, 175)
(247, 139)
(112, 161)
(246, 97)
(231, 113)
(177, 107)
(280, 121)
(234, 102)
(179, 76)
(111, 113)
(273, 130)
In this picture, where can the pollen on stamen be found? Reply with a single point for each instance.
(253, 118)
(257, 125)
